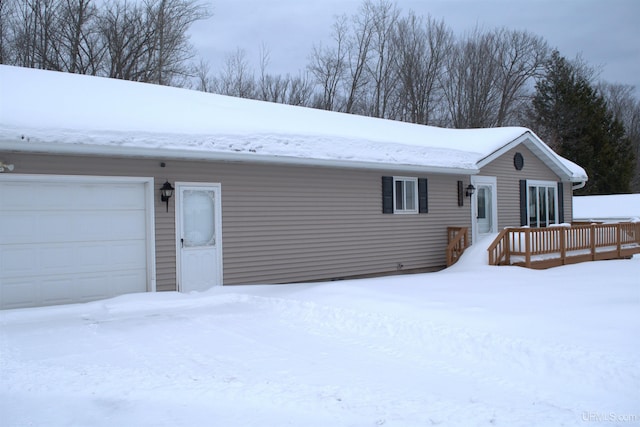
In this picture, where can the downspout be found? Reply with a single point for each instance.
(578, 186)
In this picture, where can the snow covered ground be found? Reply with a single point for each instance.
(469, 346)
(607, 208)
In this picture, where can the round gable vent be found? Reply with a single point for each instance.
(518, 161)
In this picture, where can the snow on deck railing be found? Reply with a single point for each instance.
(564, 244)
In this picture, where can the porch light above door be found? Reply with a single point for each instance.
(166, 192)
(470, 190)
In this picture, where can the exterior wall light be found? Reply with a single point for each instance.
(6, 166)
(166, 192)
(470, 190)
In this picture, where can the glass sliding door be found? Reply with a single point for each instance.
(542, 203)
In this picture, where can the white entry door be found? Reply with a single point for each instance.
(484, 206)
(198, 236)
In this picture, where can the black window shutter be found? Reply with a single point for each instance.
(423, 196)
(387, 194)
(523, 202)
(460, 193)
(560, 202)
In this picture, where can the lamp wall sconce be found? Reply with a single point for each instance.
(470, 190)
(6, 166)
(166, 192)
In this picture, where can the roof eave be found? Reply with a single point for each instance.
(240, 157)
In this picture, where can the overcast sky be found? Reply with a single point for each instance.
(605, 32)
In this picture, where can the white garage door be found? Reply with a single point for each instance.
(72, 239)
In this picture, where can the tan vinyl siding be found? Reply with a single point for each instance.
(284, 223)
(508, 180)
(568, 202)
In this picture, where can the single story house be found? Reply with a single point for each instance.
(607, 208)
(258, 192)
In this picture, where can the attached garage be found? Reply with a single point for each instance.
(69, 239)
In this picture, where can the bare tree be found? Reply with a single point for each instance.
(237, 77)
(381, 64)
(422, 50)
(328, 66)
(34, 27)
(6, 16)
(51, 34)
(203, 80)
(168, 22)
(358, 45)
(142, 40)
(470, 82)
(271, 87)
(521, 58)
(80, 47)
(127, 40)
(300, 90)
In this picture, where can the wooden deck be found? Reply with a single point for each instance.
(553, 246)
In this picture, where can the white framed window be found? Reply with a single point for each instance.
(405, 195)
(542, 203)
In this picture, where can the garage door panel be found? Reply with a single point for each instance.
(128, 254)
(37, 291)
(18, 292)
(65, 242)
(42, 227)
(113, 256)
(16, 226)
(132, 226)
(56, 258)
(122, 282)
(56, 196)
(92, 225)
(105, 257)
(58, 291)
(17, 260)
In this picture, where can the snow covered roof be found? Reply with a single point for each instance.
(47, 111)
(615, 207)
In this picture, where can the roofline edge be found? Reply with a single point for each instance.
(181, 154)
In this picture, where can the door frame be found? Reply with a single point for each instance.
(217, 188)
(492, 182)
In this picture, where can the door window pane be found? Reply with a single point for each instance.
(542, 207)
(198, 218)
(533, 207)
(482, 200)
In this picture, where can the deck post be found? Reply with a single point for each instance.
(619, 239)
(527, 244)
(593, 242)
(563, 245)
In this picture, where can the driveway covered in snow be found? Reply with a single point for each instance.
(472, 345)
